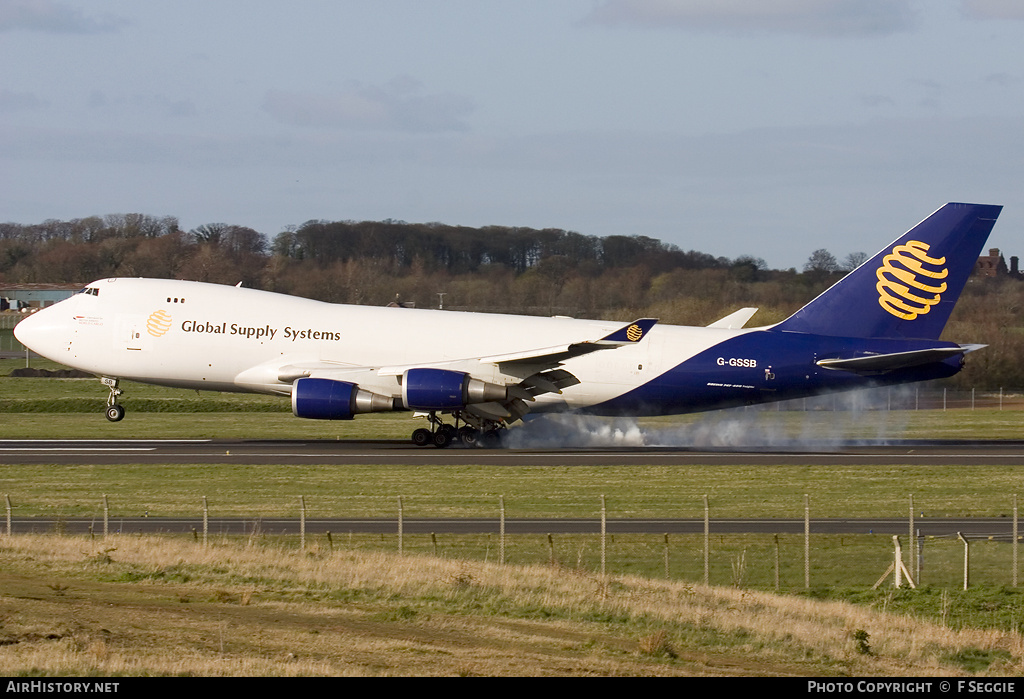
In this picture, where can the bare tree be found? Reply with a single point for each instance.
(822, 262)
(853, 261)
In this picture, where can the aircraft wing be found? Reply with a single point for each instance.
(881, 363)
(629, 334)
(537, 370)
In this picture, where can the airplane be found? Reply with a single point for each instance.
(474, 374)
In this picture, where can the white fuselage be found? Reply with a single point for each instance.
(222, 338)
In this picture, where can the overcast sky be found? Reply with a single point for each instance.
(733, 127)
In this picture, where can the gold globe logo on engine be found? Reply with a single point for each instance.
(902, 287)
(158, 323)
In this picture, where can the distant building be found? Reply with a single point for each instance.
(993, 265)
(19, 296)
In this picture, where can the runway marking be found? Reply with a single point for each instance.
(104, 441)
(574, 454)
(58, 450)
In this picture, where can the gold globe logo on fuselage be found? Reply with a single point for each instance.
(902, 287)
(158, 323)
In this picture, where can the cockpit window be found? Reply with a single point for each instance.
(90, 290)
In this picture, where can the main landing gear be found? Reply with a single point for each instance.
(115, 411)
(442, 435)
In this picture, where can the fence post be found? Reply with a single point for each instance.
(401, 547)
(707, 543)
(7, 502)
(897, 569)
(106, 516)
(967, 559)
(666, 555)
(501, 531)
(302, 523)
(1015, 540)
(910, 536)
(778, 563)
(206, 521)
(604, 531)
(807, 541)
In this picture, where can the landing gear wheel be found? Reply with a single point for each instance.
(115, 412)
(422, 437)
(491, 439)
(442, 438)
(469, 436)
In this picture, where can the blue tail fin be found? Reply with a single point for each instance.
(908, 289)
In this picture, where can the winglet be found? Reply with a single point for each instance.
(630, 334)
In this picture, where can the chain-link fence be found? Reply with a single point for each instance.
(764, 553)
(9, 343)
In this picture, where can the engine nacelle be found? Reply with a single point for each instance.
(327, 399)
(442, 389)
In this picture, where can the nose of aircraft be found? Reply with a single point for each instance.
(46, 332)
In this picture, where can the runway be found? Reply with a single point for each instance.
(349, 452)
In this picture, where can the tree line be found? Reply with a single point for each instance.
(491, 269)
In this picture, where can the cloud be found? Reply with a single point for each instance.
(807, 17)
(11, 101)
(159, 104)
(398, 106)
(53, 17)
(993, 9)
(772, 193)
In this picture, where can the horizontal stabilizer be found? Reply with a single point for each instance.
(734, 320)
(881, 363)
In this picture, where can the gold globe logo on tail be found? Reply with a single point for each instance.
(158, 323)
(634, 333)
(907, 280)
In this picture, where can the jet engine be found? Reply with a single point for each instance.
(443, 389)
(327, 399)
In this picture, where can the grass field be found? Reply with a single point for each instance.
(595, 642)
(529, 491)
(158, 606)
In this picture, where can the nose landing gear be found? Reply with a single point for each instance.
(115, 411)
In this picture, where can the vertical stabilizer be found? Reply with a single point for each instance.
(909, 288)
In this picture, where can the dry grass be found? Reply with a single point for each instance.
(158, 606)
